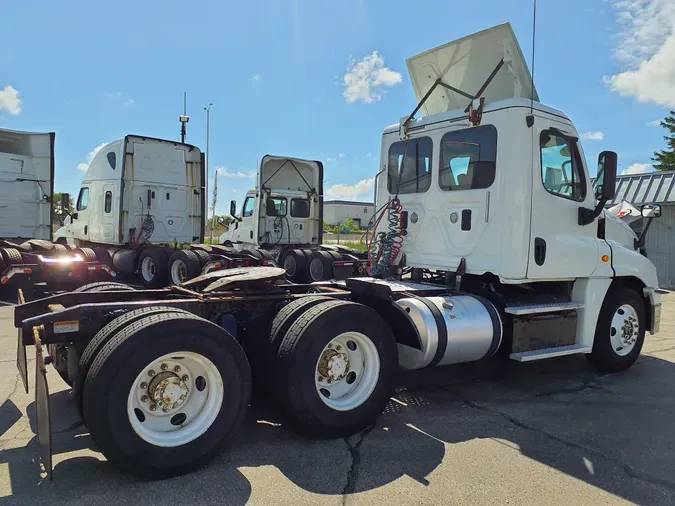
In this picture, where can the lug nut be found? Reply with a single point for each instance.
(144, 385)
(166, 410)
(151, 373)
(320, 378)
(164, 367)
(330, 381)
(176, 369)
(153, 407)
(144, 398)
(185, 377)
(338, 347)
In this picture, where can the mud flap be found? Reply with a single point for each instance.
(44, 426)
(21, 362)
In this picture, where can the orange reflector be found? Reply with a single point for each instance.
(605, 258)
(28, 271)
(4, 280)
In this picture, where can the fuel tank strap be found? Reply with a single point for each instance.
(496, 325)
(442, 331)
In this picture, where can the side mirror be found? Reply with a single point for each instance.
(233, 208)
(651, 211)
(73, 216)
(605, 185)
(65, 201)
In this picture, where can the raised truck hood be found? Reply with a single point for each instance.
(466, 64)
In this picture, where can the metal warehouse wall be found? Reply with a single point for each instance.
(339, 213)
(660, 246)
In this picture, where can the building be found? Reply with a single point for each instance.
(654, 188)
(339, 211)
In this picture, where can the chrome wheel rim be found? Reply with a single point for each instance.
(624, 330)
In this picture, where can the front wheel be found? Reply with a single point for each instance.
(620, 331)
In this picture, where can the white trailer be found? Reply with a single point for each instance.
(494, 243)
(28, 258)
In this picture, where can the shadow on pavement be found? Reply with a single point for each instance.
(614, 432)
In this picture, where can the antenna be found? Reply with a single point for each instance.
(184, 119)
(534, 33)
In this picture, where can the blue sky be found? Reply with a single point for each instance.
(277, 73)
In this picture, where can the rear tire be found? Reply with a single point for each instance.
(101, 339)
(135, 439)
(184, 265)
(320, 266)
(104, 286)
(620, 331)
(203, 256)
(88, 254)
(11, 256)
(60, 249)
(295, 263)
(337, 365)
(153, 268)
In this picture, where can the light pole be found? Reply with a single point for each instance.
(206, 183)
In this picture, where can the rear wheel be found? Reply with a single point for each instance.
(295, 264)
(104, 286)
(153, 268)
(11, 256)
(88, 254)
(320, 266)
(203, 256)
(164, 394)
(337, 365)
(620, 331)
(103, 336)
(183, 265)
(60, 249)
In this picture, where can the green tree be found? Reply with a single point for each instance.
(60, 214)
(665, 159)
(351, 226)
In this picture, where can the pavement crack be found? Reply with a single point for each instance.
(647, 478)
(71, 427)
(355, 452)
(586, 385)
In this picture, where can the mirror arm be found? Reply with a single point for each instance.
(587, 216)
(640, 241)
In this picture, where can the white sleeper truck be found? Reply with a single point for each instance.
(282, 220)
(28, 258)
(491, 241)
(141, 209)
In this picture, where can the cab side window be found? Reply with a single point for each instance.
(409, 167)
(561, 170)
(468, 159)
(247, 210)
(83, 199)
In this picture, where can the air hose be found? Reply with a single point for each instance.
(384, 247)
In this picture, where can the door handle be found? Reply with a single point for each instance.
(539, 251)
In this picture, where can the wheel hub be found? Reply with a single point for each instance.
(168, 391)
(333, 365)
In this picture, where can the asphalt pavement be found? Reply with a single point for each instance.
(550, 432)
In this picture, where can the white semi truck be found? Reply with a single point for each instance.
(493, 242)
(28, 258)
(282, 220)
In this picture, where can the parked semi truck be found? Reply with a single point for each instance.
(141, 209)
(494, 243)
(28, 257)
(282, 220)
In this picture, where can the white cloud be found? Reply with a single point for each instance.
(369, 154)
(646, 51)
(593, 136)
(341, 155)
(364, 77)
(350, 192)
(257, 77)
(118, 96)
(655, 123)
(223, 171)
(10, 101)
(331, 160)
(83, 166)
(638, 168)
(128, 102)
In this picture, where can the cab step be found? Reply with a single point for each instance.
(559, 351)
(527, 309)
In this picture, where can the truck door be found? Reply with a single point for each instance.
(299, 220)
(79, 228)
(243, 231)
(560, 248)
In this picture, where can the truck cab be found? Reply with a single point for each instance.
(284, 209)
